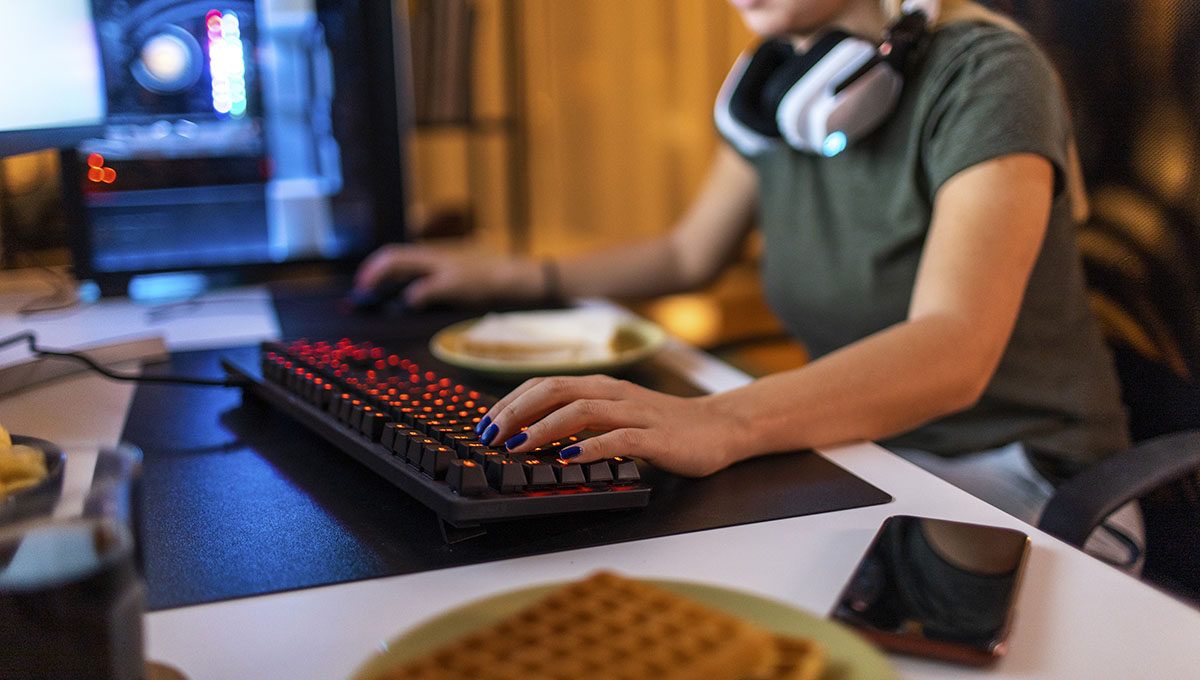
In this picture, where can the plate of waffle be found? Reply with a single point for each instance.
(548, 342)
(611, 627)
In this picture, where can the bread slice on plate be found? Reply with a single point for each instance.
(554, 336)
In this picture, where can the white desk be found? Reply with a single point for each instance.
(1076, 617)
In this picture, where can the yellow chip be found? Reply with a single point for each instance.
(22, 462)
(17, 485)
(30, 455)
(21, 466)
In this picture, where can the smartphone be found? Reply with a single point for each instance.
(936, 588)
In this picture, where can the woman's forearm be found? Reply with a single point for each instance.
(691, 254)
(888, 383)
(641, 269)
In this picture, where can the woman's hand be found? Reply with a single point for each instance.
(688, 436)
(448, 274)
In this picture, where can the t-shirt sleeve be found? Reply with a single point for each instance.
(999, 97)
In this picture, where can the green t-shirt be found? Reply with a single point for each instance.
(843, 236)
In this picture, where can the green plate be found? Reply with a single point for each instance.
(850, 657)
(637, 340)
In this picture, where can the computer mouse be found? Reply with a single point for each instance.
(387, 295)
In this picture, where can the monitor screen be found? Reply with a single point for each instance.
(51, 80)
(241, 135)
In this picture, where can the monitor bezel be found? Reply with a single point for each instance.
(20, 142)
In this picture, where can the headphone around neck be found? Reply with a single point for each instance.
(821, 100)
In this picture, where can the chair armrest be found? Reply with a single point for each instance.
(1083, 501)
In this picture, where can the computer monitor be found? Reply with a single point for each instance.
(51, 82)
(242, 136)
(51, 97)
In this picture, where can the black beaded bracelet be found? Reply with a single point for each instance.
(552, 285)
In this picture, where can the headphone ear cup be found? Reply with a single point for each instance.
(750, 101)
(740, 113)
(857, 108)
(747, 106)
(803, 113)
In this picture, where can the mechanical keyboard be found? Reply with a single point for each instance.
(417, 430)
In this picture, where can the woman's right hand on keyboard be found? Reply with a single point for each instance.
(691, 436)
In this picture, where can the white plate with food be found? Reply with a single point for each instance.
(548, 342)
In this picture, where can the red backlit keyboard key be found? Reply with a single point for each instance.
(505, 475)
(466, 478)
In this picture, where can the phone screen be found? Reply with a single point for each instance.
(936, 588)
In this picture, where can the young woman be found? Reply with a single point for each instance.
(929, 267)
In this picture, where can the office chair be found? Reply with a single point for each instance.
(1134, 103)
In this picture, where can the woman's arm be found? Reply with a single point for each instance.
(690, 255)
(693, 252)
(987, 230)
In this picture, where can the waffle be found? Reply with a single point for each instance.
(798, 659)
(611, 628)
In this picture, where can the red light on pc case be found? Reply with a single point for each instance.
(97, 172)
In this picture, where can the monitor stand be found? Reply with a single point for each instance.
(165, 287)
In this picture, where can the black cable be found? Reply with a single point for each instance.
(31, 340)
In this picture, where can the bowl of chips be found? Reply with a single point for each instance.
(31, 476)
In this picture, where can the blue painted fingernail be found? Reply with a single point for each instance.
(569, 452)
(489, 434)
(482, 425)
(516, 440)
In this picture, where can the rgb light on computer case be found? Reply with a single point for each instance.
(178, 57)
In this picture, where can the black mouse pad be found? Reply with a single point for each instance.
(240, 500)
